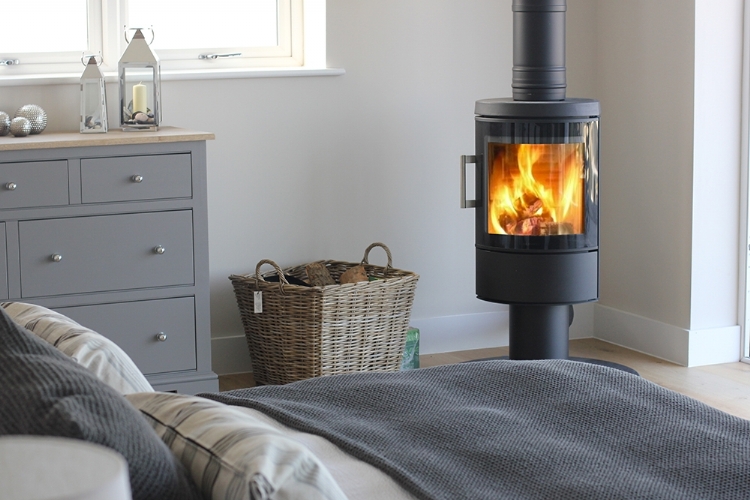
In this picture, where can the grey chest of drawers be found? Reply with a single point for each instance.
(111, 230)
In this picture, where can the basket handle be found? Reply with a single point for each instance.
(282, 278)
(387, 252)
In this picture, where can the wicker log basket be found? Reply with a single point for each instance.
(304, 332)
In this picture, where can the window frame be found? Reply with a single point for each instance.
(106, 37)
(289, 52)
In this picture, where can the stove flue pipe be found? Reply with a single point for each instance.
(539, 50)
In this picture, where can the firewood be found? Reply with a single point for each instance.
(533, 209)
(353, 275)
(530, 226)
(551, 228)
(508, 223)
(318, 274)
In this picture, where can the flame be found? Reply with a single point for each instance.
(536, 189)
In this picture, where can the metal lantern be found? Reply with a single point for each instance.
(93, 98)
(140, 85)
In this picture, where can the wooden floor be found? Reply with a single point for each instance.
(726, 387)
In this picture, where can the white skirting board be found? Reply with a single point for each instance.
(439, 334)
(481, 330)
(462, 332)
(685, 347)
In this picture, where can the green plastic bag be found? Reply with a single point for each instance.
(410, 360)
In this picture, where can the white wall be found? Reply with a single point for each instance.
(316, 168)
(669, 82)
(319, 167)
(646, 89)
(716, 167)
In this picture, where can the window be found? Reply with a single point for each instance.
(227, 33)
(53, 40)
(188, 35)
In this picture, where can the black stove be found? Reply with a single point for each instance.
(537, 190)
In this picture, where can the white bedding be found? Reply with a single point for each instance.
(357, 479)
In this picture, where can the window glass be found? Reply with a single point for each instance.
(43, 26)
(200, 24)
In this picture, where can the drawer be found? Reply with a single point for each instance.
(109, 252)
(126, 178)
(34, 184)
(135, 327)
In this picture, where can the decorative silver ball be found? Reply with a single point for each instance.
(20, 126)
(4, 123)
(36, 116)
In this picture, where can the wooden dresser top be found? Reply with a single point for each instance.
(47, 140)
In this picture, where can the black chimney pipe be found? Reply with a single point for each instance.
(539, 50)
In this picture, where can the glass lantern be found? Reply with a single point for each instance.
(93, 98)
(140, 85)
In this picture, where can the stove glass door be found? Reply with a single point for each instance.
(535, 189)
(537, 184)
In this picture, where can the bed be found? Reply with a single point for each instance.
(483, 430)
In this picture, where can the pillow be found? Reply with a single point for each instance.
(232, 456)
(96, 352)
(45, 393)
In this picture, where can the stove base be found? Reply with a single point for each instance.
(539, 332)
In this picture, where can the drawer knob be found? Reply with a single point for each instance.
(159, 249)
(161, 337)
(11, 186)
(137, 178)
(56, 257)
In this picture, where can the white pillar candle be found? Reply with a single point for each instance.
(140, 98)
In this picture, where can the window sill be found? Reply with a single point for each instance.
(202, 74)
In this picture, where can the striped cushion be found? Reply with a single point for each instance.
(88, 348)
(230, 455)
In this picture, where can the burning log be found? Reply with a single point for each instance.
(534, 209)
(534, 226)
(508, 223)
(557, 228)
(531, 226)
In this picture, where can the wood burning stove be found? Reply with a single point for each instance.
(537, 190)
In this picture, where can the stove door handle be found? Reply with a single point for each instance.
(464, 160)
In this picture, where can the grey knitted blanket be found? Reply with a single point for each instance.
(520, 429)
